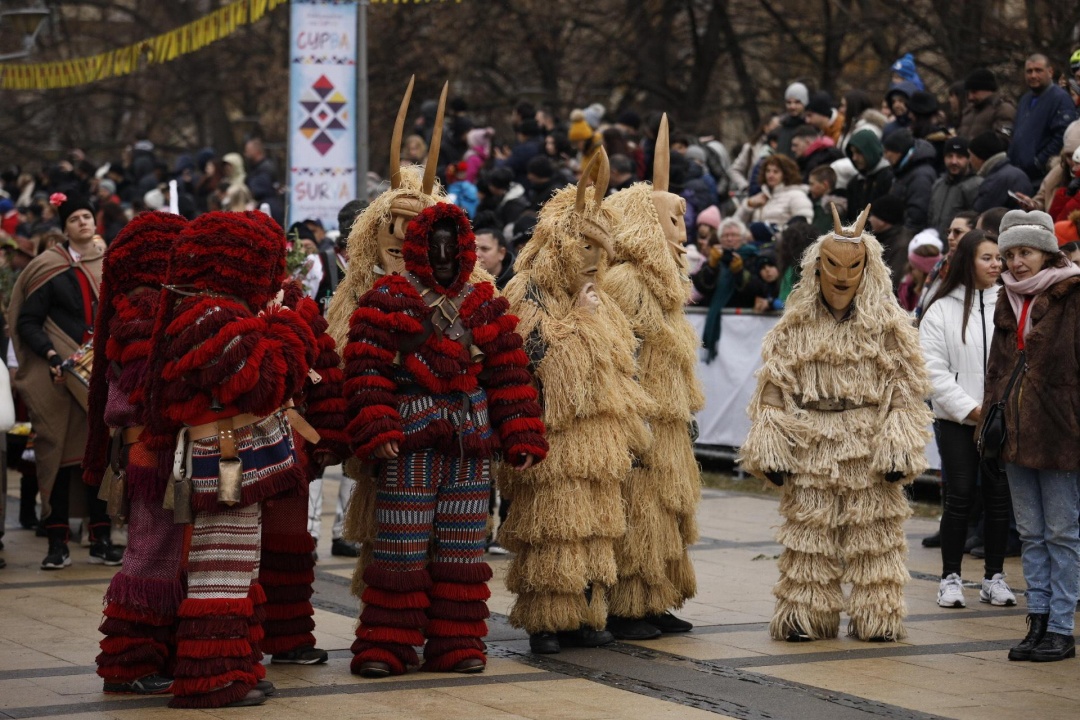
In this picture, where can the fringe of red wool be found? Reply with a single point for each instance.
(285, 562)
(291, 544)
(404, 653)
(378, 654)
(146, 483)
(120, 612)
(388, 635)
(115, 645)
(127, 628)
(256, 594)
(279, 644)
(476, 572)
(280, 579)
(129, 662)
(127, 673)
(292, 626)
(278, 612)
(400, 582)
(440, 646)
(215, 607)
(438, 627)
(449, 610)
(207, 668)
(145, 599)
(255, 635)
(447, 662)
(285, 594)
(193, 686)
(207, 648)
(214, 699)
(417, 600)
(218, 628)
(377, 616)
(459, 592)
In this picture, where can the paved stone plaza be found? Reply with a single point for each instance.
(952, 665)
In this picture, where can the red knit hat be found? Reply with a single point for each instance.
(230, 253)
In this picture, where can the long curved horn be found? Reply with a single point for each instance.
(395, 141)
(583, 183)
(661, 173)
(861, 222)
(838, 227)
(603, 177)
(436, 141)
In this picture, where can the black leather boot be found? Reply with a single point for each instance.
(624, 628)
(585, 637)
(1054, 647)
(1036, 631)
(544, 643)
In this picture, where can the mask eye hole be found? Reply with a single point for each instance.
(831, 261)
(857, 264)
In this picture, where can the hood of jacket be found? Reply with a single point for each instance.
(921, 153)
(415, 249)
(867, 143)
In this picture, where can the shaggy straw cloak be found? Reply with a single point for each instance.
(567, 514)
(661, 494)
(843, 522)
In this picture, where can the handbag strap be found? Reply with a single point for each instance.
(1016, 373)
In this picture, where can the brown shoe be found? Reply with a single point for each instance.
(470, 665)
(374, 669)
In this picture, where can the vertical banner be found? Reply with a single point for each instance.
(322, 109)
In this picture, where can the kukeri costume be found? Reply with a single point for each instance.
(227, 359)
(839, 419)
(436, 384)
(649, 283)
(567, 514)
(139, 647)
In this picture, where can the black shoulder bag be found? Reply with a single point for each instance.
(992, 437)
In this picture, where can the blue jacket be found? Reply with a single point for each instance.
(1039, 129)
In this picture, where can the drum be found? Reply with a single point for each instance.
(77, 370)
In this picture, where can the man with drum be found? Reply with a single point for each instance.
(52, 314)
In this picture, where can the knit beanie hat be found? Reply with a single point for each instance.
(888, 208)
(232, 253)
(579, 127)
(923, 103)
(1033, 229)
(986, 145)
(905, 68)
(955, 146)
(594, 115)
(820, 104)
(981, 79)
(797, 91)
(1066, 232)
(710, 216)
(66, 205)
(899, 141)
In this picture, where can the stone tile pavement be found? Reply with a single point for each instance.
(953, 664)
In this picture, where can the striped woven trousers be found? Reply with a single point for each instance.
(427, 499)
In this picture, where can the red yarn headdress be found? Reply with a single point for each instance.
(415, 250)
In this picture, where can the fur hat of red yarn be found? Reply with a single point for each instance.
(241, 254)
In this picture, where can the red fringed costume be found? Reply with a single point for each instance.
(142, 599)
(439, 370)
(224, 351)
(286, 564)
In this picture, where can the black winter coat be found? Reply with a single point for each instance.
(913, 182)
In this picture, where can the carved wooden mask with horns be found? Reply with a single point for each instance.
(391, 236)
(595, 238)
(842, 262)
(670, 208)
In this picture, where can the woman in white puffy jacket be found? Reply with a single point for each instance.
(955, 332)
(782, 195)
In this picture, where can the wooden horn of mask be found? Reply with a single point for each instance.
(436, 141)
(395, 140)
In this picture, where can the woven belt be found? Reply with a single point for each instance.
(830, 404)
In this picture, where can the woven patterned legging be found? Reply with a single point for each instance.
(218, 656)
(423, 497)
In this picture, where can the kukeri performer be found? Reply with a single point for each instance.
(437, 384)
(567, 514)
(227, 358)
(649, 282)
(839, 420)
(139, 647)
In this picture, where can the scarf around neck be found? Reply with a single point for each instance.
(1020, 290)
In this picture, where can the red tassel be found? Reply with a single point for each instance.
(476, 572)
(450, 610)
(438, 627)
(375, 654)
(398, 636)
(459, 592)
(383, 598)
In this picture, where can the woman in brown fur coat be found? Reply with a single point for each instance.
(839, 420)
(567, 514)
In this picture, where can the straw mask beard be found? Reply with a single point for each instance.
(841, 264)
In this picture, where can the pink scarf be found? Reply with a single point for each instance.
(1040, 282)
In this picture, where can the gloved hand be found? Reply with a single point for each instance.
(894, 475)
(715, 253)
(776, 477)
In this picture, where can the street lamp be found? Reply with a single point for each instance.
(27, 22)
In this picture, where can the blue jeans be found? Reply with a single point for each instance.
(1046, 504)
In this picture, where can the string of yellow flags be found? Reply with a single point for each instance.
(153, 51)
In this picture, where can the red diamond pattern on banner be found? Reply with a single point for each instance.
(325, 108)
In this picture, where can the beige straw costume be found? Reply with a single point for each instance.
(839, 406)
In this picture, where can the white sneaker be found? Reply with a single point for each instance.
(996, 592)
(950, 592)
